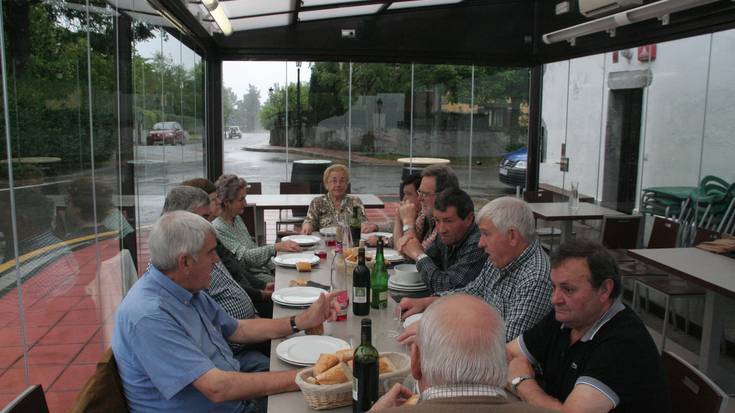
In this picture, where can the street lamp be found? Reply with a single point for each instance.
(379, 103)
(298, 105)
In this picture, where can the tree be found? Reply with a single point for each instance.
(250, 109)
(273, 112)
(229, 102)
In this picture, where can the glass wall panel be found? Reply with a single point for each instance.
(500, 131)
(61, 277)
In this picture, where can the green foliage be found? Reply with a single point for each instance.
(273, 111)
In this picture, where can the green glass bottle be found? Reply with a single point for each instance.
(355, 226)
(379, 280)
(365, 371)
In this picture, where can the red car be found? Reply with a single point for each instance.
(166, 133)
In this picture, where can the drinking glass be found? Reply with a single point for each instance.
(574, 195)
(396, 323)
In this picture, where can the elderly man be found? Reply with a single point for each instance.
(170, 338)
(515, 278)
(593, 353)
(434, 179)
(454, 258)
(458, 360)
(223, 289)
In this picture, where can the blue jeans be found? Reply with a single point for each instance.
(251, 362)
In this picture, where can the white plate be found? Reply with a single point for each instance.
(410, 320)
(299, 296)
(385, 235)
(328, 231)
(419, 287)
(305, 350)
(290, 260)
(303, 240)
(388, 253)
(394, 281)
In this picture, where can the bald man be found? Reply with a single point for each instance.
(460, 366)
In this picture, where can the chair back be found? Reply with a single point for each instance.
(663, 234)
(103, 392)
(689, 389)
(248, 218)
(32, 400)
(621, 232)
(254, 188)
(296, 188)
(704, 235)
(538, 196)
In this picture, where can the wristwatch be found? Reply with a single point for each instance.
(516, 381)
(292, 321)
(407, 227)
(421, 256)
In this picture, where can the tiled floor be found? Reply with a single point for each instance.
(64, 329)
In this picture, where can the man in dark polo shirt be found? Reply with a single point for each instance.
(592, 353)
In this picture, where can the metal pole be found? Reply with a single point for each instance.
(472, 115)
(349, 121)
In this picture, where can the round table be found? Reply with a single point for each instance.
(423, 161)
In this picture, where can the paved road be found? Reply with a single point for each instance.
(161, 167)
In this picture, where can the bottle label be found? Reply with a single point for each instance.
(359, 295)
(383, 296)
(354, 388)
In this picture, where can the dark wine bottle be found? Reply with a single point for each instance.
(365, 372)
(361, 286)
(379, 280)
(355, 226)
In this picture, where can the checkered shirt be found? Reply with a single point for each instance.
(237, 239)
(462, 390)
(226, 292)
(447, 268)
(521, 291)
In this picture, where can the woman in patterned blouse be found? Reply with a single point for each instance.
(326, 210)
(233, 233)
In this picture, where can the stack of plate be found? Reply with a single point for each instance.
(303, 240)
(401, 286)
(385, 235)
(388, 253)
(296, 296)
(305, 350)
(290, 260)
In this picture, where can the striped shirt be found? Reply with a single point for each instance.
(520, 291)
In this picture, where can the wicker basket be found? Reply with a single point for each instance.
(324, 397)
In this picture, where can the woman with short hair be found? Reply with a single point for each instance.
(335, 205)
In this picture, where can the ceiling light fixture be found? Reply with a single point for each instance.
(218, 14)
(658, 10)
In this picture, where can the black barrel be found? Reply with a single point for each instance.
(311, 171)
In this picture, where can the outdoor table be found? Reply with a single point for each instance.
(714, 272)
(290, 201)
(348, 330)
(560, 211)
(423, 161)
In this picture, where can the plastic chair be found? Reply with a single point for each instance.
(32, 400)
(103, 392)
(690, 390)
(543, 196)
(618, 234)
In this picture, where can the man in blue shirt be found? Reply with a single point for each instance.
(170, 339)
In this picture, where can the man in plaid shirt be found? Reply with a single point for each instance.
(515, 278)
(454, 258)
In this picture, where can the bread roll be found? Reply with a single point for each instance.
(315, 331)
(345, 355)
(303, 266)
(336, 375)
(325, 362)
(411, 401)
(385, 365)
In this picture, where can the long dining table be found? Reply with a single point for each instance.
(714, 272)
(348, 330)
(288, 201)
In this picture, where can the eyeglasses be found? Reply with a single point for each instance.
(423, 194)
(338, 181)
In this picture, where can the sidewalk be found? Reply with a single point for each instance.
(332, 154)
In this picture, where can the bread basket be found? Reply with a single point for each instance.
(324, 397)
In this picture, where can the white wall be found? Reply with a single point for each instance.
(681, 141)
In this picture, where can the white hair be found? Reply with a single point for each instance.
(176, 233)
(506, 212)
(462, 344)
(185, 198)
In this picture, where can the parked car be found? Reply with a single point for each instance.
(234, 131)
(166, 133)
(512, 168)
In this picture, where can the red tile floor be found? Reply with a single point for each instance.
(65, 330)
